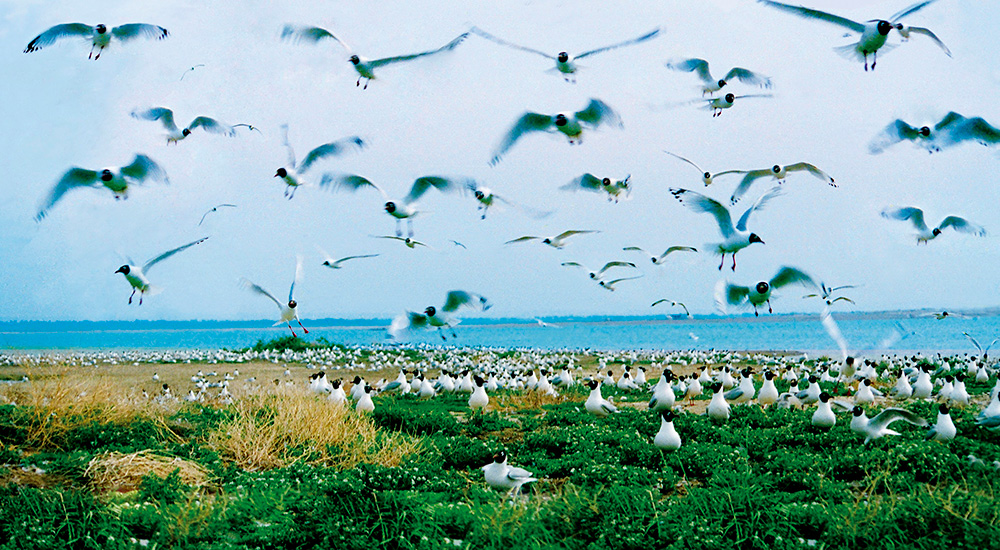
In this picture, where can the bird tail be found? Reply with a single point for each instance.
(153, 290)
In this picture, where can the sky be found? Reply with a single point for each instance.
(445, 115)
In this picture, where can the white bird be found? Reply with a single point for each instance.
(596, 114)
(745, 392)
(663, 394)
(559, 241)
(672, 304)
(479, 399)
(405, 209)
(667, 438)
(500, 475)
(287, 311)
(925, 234)
(410, 243)
(902, 389)
(215, 209)
(117, 179)
(658, 260)
(975, 342)
(768, 392)
(365, 67)
(824, 416)
(736, 238)
(706, 177)
(810, 395)
(826, 293)
(565, 63)
(615, 189)
(710, 84)
(873, 33)
(597, 275)
(760, 293)
(610, 285)
(486, 198)
(878, 425)
(596, 404)
(718, 407)
(544, 324)
(136, 275)
(864, 394)
(439, 319)
(292, 174)
(98, 35)
(951, 130)
(328, 260)
(365, 403)
(719, 104)
(166, 118)
(944, 428)
(779, 173)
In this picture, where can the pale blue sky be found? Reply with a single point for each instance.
(445, 115)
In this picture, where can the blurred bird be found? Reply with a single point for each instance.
(289, 310)
(405, 209)
(925, 234)
(136, 275)
(328, 260)
(779, 173)
(439, 319)
(597, 275)
(215, 209)
(117, 180)
(596, 114)
(985, 352)
(878, 425)
(610, 285)
(760, 294)
(615, 189)
(719, 104)
(292, 174)
(706, 177)
(951, 130)
(826, 293)
(410, 243)
(658, 260)
(98, 35)
(710, 84)
(559, 241)
(672, 304)
(166, 118)
(486, 198)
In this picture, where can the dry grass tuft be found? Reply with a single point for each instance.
(124, 472)
(531, 400)
(270, 431)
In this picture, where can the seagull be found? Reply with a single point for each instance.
(364, 66)
(328, 260)
(924, 234)
(291, 175)
(975, 342)
(616, 189)
(761, 292)
(944, 428)
(410, 243)
(826, 293)
(287, 311)
(873, 33)
(487, 198)
(597, 113)
(942, 315)
(950, 130)
(610, 285)
(405, 209)
(719, 104)
(658, 260)
(166, 117)
(596, 275)
(439, 319)
(249, 127)
(596, 404)
(779, 173)
(543, 324)
(736, 238)
(215, 209)
(565, 63)
(136, 275)
(479, 399)
(191, 69)
(365, 403)
(667, 438)
(711, 85)
(559, 241)
(718, 407)
(824, 416)
(706, 177)
(500, 475)
(878, 425)
(672, 304)
(116, 179)
(97, 34)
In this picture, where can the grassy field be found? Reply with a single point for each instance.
(87, 462)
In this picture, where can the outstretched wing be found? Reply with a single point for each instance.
(834, 331)
(685, 160)
(761, 202)
(699, 66)
(449, 46)
(444, 185)
(522, 239)
(55, 33)
(651, 34)
(331, 149)
(609, 265)
(213, 126)
(790, 275)
(349, 182)
(297, 33)
(131, 31)
(530, 122)
(888, 416)
(73, 178)
(736, 294)
(915, 215)
(974, 128)
(247, 284)
(673, 249)
(502, 42)
(566, 234)
(910, 10)
(895, 132)
(927, 32)
(297, 279)
(975, 342)
(348, 258)
(812, 169)
(963, 225)
(748, 77)
(802, 11)
(169, 253)
(597, 113)
(144, 167)
(587, 181)
(700, 203)
(748, 179)
(164, 115)
(458, 298)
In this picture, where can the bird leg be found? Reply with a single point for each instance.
(874, 59)
(769, 310)
(399, 228)
(130, 296)
(141, 294)
(409, 228)
(91, 55)
(723, 262)
(98, 56)
(734, 261)
(293, 331)
(755, 314)
(300, 324)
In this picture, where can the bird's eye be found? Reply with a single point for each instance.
(762, 287)
(925, 131)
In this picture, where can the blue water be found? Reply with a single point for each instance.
(773, 332)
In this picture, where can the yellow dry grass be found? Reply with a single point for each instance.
(122, 472)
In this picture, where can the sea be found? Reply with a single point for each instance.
(865, 333)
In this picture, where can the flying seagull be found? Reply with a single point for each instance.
(117, 180)
(287, 311)
(559, 241)
(710, 84)
(925, 234)
(98, 35)
(215, 209)
(615, 189)
(951, 130)
(779, 173)
(760, 293)
(291, 175)
(405, 209)
(597, 113)
(706, 177)
(328, 260)
(672, 304)
(441, 319)
(166, 118)
(136, 275)
(658, 260)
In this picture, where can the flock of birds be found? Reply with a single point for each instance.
(872, 38)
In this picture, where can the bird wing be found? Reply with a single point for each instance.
(673, 249)
(211, 125)
(736, 294)
(660, 301)
(144, 167)
(636, 249)
(701, 203)
(977, 129)
(915, 215)
(761, 202)
(347, 258)
(459, 298)
(57, 32)
(518, 474)
(651, 34)
(529, 122)
(449, 46)
(298, 277)
(748, 77)
(169, 253)
(950, 119)
(522, 239)
(573, 264)
(882, 420)
(812, 169)
(685, 160)
(963, 225)
(298, 33)
(909, 10)
(566, 234)
(73, 178)
(895, 132)
(802, 11)
(608, 407)
(974, 341)
(444, 185)
(164, 115)
(609, 265)
(699, 66)
(927, 32)
(790, 275)
(132, 31)
(502, 42)
(331, 149)
(350, 182)
(404, 321)
(247, 284)
(748, 179)
(598, 112)
(587, 181)
(834, 331)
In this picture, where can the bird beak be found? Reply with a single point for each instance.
(119, 270)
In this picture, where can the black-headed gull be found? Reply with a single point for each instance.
(215, 209)
(597, 113)
(405, 209)
(287, 311)
(486, 198)
(667, 437)
(658, 260)
(166, 118)
(760, 293)
(566, 63)
(597, 274)
(410, 243)
(501, 475)
(98, 35)
(926, 234)
(612, 284)
(736, 238)
(873, 33)
(710, 84)
(559, 241)
(615, 189)
(136, 274)
(944, 428)
(706, 177)
(719, 104)
(878, 425)
(116, 179)
(440, 319)
(364, 66)
(596, 404)
(951, 130)
(330, 262)
(671, 303)
(291, 175)
(826, 293)
(779, 173)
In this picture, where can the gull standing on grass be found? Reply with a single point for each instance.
(136, 275)
(500, 475)
(287, 311)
